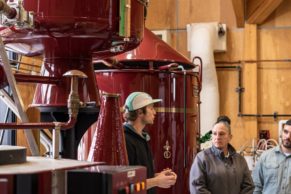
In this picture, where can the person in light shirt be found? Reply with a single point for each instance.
(272, 173)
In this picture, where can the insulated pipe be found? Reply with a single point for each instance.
(201, 42)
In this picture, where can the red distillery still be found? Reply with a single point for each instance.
(155, 68)
(67, 34)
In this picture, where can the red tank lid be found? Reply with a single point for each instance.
(152, 48)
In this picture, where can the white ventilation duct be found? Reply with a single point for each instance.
(203, 40)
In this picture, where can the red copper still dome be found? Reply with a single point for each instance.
(152, 49)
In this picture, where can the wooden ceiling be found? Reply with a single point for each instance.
(254, 11)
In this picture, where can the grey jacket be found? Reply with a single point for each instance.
(213, 173)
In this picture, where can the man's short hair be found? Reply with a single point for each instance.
(288, 122)
(132, 115)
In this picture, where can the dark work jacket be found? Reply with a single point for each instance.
(213, 173)
(139, 152)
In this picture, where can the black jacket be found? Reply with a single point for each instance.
(139, 152)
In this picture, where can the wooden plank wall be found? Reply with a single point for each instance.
(31, 66)
(267, 84)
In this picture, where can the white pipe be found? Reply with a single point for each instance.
(201, 43)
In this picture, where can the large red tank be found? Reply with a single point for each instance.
(156, 68)
(67, 33)
(71, 28)
(173, 135)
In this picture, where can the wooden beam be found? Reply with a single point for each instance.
(250, 81)
(259, 10)
(239, 11)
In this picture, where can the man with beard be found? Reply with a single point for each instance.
(272, 173)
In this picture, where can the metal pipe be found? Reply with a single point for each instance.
(199, 71)
(56, 142)
(240, 90)
(185, 118)
(36, 79)
(41, 125)
(275, 115)
(46, 141)
(73, 108)
(252, 61)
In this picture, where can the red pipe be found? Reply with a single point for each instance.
(27, 78)
(36, 79)
(42, 125)
(200, 70)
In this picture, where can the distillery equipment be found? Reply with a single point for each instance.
(67, 34)
(157, 69)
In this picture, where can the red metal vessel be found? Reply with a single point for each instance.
(108, 143)
(173, 135)
(67, 33)
(72, 28)
(156, 68)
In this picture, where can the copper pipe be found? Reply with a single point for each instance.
(73, 109)
(45, 125)
(41, 125)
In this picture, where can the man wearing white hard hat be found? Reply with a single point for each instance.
(139, 111)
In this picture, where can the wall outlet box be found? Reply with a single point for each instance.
(220, 45)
